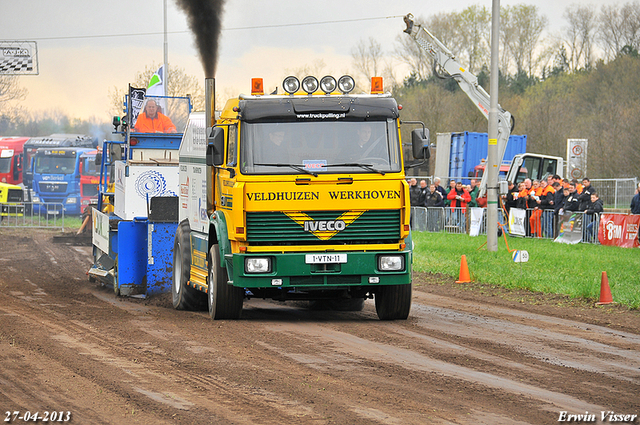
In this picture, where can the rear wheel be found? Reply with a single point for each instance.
(393, 302)
(184, 297)
(224, 300)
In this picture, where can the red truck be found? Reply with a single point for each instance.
(11, 159)
(89, 179)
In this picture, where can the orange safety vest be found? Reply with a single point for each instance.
(160, 124)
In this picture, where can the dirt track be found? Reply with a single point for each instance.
(467, 355)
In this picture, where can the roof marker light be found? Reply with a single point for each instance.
(310, 84)
(291, 84)
(346, 84)
(376, 85)
(328, 84)
(257, 87)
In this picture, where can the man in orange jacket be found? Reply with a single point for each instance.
(153, 121)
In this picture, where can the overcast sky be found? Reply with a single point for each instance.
(86, 47)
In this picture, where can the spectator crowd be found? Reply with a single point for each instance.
(546, 201)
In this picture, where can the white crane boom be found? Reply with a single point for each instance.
(467, 82)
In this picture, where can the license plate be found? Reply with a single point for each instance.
(325, 258)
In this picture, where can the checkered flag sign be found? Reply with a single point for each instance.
(18, 58)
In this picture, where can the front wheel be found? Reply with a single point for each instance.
(393, 302)
(224, 300)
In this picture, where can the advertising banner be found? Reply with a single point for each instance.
(517, 216)
(619, 230)
(570, 228)
(18, 58)
(100, 230)
(476, 221)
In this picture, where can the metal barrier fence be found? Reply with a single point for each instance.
(615, 193)
(32, 215)
(538, 223)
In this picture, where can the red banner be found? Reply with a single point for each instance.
(619, 230)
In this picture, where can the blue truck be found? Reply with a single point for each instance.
(53, 141)
(56, 180)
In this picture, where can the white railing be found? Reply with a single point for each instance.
(32, 215)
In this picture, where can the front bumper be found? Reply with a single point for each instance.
(290, 270)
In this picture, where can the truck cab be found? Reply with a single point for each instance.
(300, 196)
(534, 166)
(53, 141)
(56, 180)
(89, 179)
(11, 200)
(11, 149)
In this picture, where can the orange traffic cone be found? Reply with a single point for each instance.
(605, 291)
(464, 271)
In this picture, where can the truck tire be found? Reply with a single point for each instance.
(116, 287)
(393, 302)
(224, 300)
(184, 297)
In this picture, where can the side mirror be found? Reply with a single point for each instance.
(215, 147)
(420, 143)
(98, 160)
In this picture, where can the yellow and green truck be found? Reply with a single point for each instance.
(298, 196)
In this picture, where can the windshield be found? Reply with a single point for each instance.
(163, 115)
(89, 167)
(320, 147)
(5, 165)
(53, 164)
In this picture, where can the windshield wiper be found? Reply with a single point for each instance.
(367, 167)
(294, 166)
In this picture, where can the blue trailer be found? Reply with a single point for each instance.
(137, 214)
(458, 154)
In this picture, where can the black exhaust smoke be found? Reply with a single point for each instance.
(205, 20)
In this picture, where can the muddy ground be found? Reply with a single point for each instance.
(468, 354)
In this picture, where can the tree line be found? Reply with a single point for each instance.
(582, 83)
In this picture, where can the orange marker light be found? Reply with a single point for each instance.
(376, 85)
(257, 87)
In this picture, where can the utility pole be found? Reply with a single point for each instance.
(165, 77)
(492, 154)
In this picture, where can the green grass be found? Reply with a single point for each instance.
(573, 270)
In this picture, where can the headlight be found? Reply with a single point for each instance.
(35, 199)
(310, 84)
(291, 84)
(257, 265)
(328, 84)
(346, 84)
(388, 263)
(72, 200)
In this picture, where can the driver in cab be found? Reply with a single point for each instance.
(368, 146)
(153, 121)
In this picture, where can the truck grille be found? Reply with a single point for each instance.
(53, 187)
(277, 228)
(15, 195)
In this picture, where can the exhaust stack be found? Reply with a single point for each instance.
(210, 103)
(209, 122)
